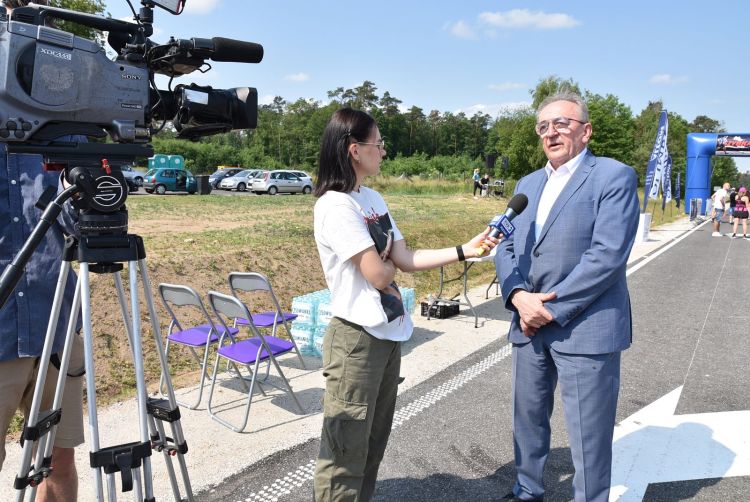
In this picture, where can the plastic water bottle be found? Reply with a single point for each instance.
(306, 308)
(303, 337)
(318, 336)
(325, 313)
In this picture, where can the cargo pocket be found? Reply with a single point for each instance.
(345, 428)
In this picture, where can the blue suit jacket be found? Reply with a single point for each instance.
(581, 254)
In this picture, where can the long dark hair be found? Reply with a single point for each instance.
(335, 171)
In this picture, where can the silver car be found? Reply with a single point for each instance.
(241, 181)
(136, 175)
(282, 181)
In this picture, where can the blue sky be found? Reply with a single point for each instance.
(483, 55)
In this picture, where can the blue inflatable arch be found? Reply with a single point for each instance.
(700, 148)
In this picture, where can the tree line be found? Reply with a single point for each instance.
(445, 144)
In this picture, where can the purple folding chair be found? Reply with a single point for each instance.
(194, 338)
(248, 352)
(252, 282)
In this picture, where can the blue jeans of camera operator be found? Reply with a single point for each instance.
(23, 319)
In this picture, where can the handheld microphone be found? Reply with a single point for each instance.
(501, 223)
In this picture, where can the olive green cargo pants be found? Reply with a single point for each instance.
(362, 376)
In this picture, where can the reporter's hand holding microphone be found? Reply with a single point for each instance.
(501, 224)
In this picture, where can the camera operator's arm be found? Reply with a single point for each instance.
(68, 216)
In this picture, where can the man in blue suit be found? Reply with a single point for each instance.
(562, 274)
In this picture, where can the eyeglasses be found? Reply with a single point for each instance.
(561, 124)
(380, 144)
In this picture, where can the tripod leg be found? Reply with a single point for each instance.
(44, 449)
(140, 380)
(157, 433)
(88, 350)
(29, 443)
(176, 426)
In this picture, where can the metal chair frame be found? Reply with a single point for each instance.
(226, 307)
(180, 295)
(250, 282)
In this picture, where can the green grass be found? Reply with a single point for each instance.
(198, 240)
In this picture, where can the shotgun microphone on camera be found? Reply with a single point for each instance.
(236, 51)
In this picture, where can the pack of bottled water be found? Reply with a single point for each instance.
(306, 308)
(314, 313)
(303, 337)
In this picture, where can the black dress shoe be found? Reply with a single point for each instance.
(512, 497)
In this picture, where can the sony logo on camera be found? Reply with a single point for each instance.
(58, 54)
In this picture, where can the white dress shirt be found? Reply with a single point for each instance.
(556, 181)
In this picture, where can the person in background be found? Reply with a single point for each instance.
(477, 185)
(24, 317)
(719, 200)
(741, 212)
(485, 183)
(732, 203)
(361, 248)
(562, 275)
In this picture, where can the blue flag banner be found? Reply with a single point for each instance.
(666, 183)
(657, 162)
(677, 190)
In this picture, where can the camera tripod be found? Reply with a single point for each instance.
(104, 255)
(103, 246)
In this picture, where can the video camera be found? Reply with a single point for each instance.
(54, 84)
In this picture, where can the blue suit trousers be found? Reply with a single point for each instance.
(589, 387)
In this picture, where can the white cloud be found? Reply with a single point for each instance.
(667, 79)
(506, 86)
(200, 6)
(524, 18)
(266, 100)
(298, 77)
(461, 29)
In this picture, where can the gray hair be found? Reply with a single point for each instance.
(569, 96)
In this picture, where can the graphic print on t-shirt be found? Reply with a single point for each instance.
(381, 232)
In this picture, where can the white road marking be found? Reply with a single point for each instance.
(654, 445)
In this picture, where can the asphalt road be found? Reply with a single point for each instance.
(452, 437)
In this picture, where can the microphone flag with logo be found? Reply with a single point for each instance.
(657, 162)
(666, 183)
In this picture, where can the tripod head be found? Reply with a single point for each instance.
(94, 173)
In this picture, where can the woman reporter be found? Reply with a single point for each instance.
(361, 248)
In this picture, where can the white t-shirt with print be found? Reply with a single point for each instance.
(341, 231)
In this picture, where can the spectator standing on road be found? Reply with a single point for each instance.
(719, 200)
(360, 250)
(477, 185)
(563, 275)
(732, 203)
(741, 212)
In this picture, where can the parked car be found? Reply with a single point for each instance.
(132, 186)
(215, 178)
(134, 174)
(281, 181)
(161, 179)
(303, 176)
(241, 181)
